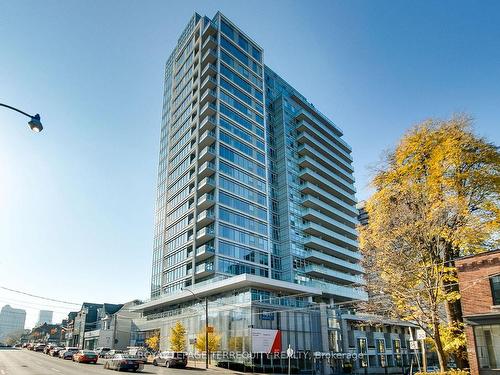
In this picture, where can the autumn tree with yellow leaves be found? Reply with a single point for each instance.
(153, 342)
(213, 341)
(436, 198)
(178, 337)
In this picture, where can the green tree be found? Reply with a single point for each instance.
(436, 198)
(178, 337)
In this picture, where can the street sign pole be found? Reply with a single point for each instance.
(289, 353)
(421, 337)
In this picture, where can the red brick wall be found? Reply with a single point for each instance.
(474, 282)
(471, 351)
(475, 290)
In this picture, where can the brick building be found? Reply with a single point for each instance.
(479, 281)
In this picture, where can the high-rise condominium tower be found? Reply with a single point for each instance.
(252, 178)
(255, 209)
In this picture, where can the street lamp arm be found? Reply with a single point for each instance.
(35, 124)
(15, 109)
(194, 295)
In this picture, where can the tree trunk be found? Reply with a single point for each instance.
(454, 308)
(438, 344)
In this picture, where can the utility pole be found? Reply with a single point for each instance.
(206, 323)
(424, 356)
(206, 332)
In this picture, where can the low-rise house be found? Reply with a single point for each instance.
(113, 327)
(479, 282)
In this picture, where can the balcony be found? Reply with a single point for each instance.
(329, 274)
(310, 176)
(204, 218)
(209, 69)
(316, 140)
(205, 185)
(319, 217)
(210, 56)
(326, 172)
(205, 201)
(208, 109)
(315, 203)
(206, 139)
(209, 29)
(205, 234)
(204, 252)
(331, 132)
(208, 123)
(204, 269)
(209, 83)
(314, 190)
(310, 147)
(208, 153)
(208, 95)
(210, 42)
(206, 169)
(346, 292)
(334, 262)
(329, 235)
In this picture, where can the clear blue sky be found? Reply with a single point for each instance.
(76, 201)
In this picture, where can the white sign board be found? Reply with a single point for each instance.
(289, 352)
(413, 345)
(266, 340)
(421, 334)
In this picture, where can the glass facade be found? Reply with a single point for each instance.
(252, 179)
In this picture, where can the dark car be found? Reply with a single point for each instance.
(39, 347)
(123, 362)
(67, 353)
(171, 359)
(85, 356)
(54, 352)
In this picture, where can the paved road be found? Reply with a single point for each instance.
(24, 362)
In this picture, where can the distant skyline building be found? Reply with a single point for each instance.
(44, 316)
(11, 321)
(256, 203)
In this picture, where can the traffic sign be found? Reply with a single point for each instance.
(421, 334)
(413, 345)
(289, 352)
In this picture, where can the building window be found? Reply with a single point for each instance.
(495, 289)
(382, 360)
(363, 351)
(488, 345)
(396, 344)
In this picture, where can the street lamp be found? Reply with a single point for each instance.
(35, 124)
(206, 323)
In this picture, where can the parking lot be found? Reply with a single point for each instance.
(24, 362)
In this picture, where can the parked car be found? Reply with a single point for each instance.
(171, 359)
(111, 353)
(85, 356)
(101, 352)
(39, 347)
(54, 352)
(433, 368)
(67, 353)
(123, 362)
(48, 348)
